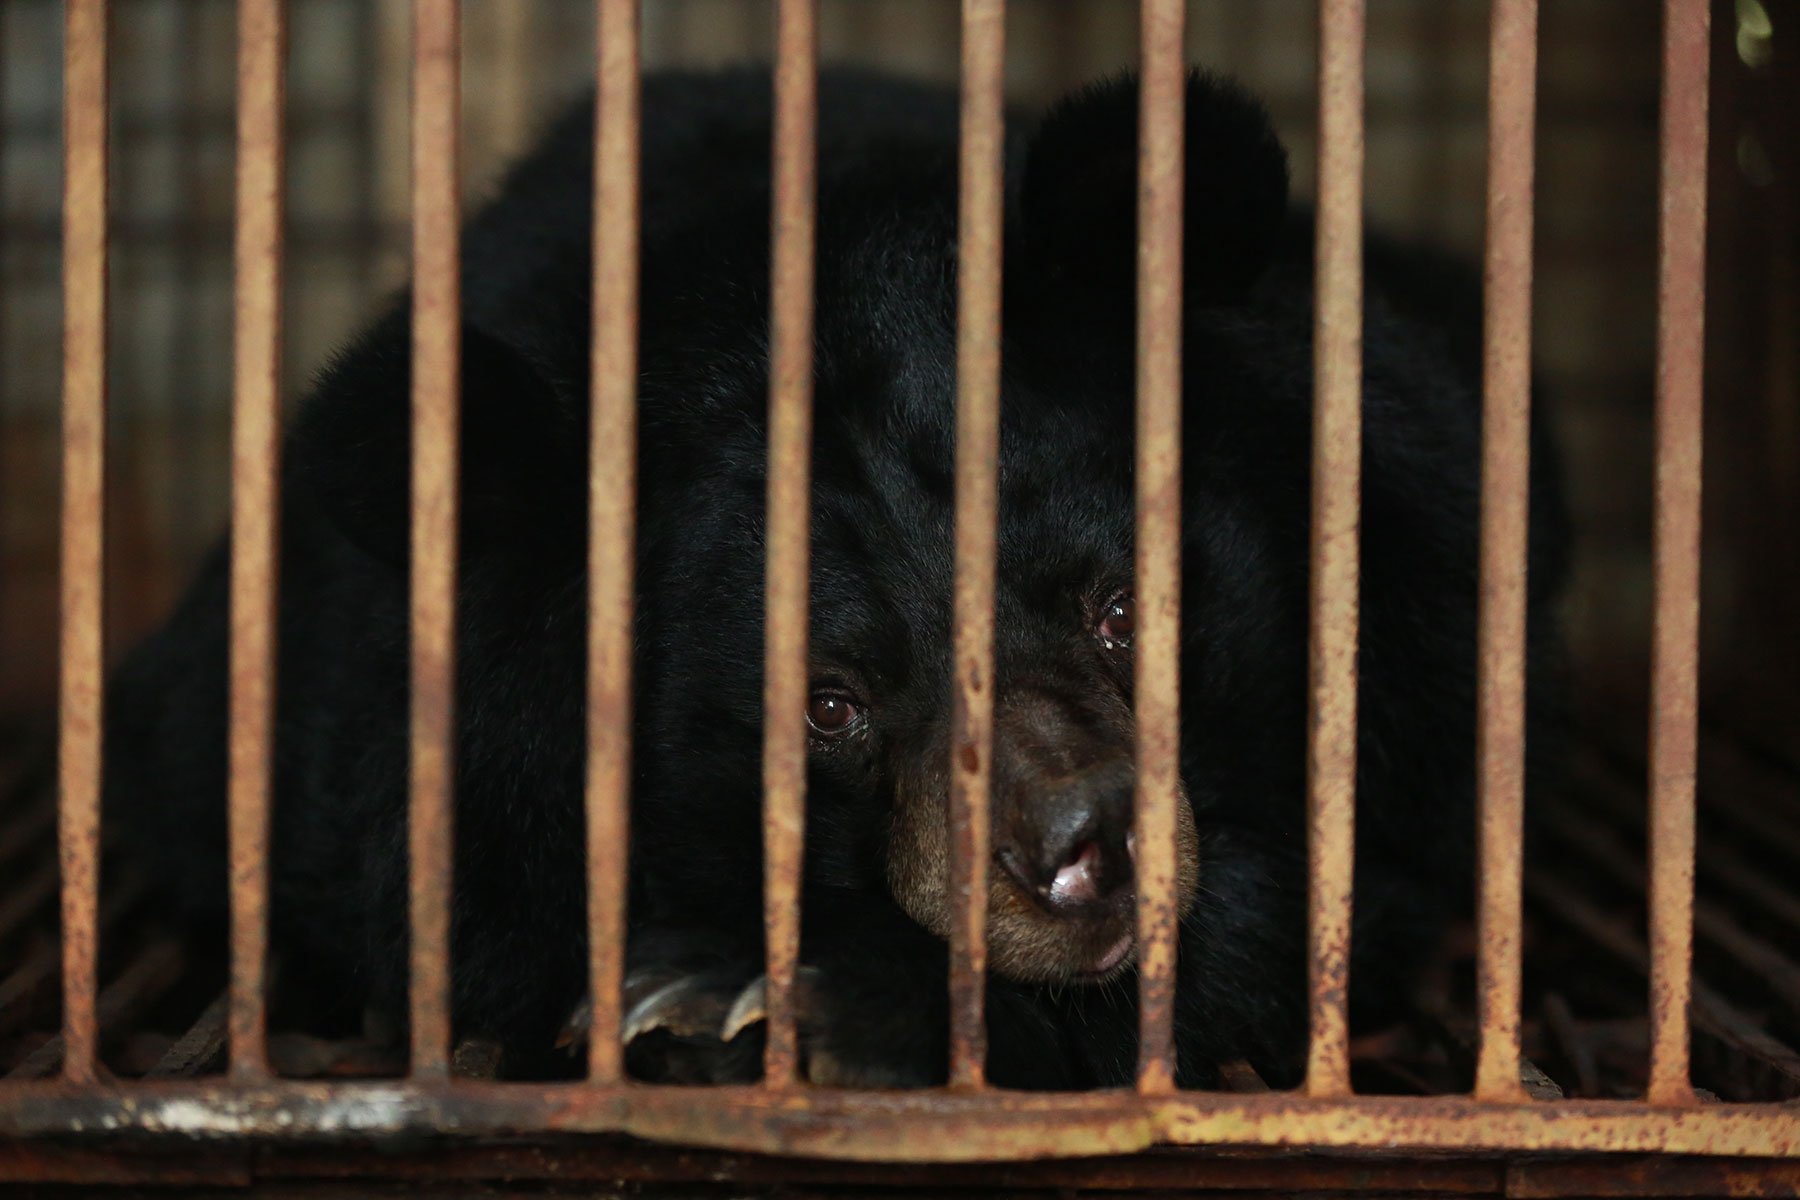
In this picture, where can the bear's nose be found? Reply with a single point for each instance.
(1070, 844)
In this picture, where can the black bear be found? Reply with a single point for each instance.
(1062, 997)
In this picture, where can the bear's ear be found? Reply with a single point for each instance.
(1078, 194)
(522, 449)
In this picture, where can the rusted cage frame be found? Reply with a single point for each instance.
(968, 1121)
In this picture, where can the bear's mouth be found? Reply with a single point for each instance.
(1110, 960)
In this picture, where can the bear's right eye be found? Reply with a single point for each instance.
(832, 713)
(1118, 621)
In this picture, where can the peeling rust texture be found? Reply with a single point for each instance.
(1505, 514)
(255, 433)
(1337, 485)
(980, 191)
(1157, 654)
(790, 481)
(82, 652)
(612, 495)
(436, 372)
(1674, 655)
(966, 1126)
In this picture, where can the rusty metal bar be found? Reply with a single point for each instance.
(255, 433)
(83, 635)
(612, 495)
(924, 1126)
(1505, 518)
(790, 483)
(152, 969)
(1337, 486)
(1675, 650)
(436, 370)
(981, 195)
(1157, 654)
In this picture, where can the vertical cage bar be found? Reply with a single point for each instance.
(436, 369)
(1505, 515)
(1681, 309)
(981, 189)
(255, 515)
(1337, 487)
(82, 633)
(1161, 155)
(612, 494)
(790, 483)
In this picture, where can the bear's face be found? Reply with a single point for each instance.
(879, 706)
(880, 697)
(880, 712)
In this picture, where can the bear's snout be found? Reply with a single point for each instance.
(1067, 839)
(1061, 894)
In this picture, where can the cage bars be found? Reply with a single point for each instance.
(436, 374)
(1337, 488)
(1681, 310)
(1324, 1113)
(788, 528)
(981, 188)
(1505, 515)
(255, 513)
(1156, 651)
(82, 632)
(612, 491)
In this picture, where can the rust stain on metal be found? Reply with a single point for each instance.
(436, 372)
(1157, 654)
(1337, 487)
(962, 1126)
(1505, 516)
(790, 481)
(153, 968)
(83, 638)
(980, 187)
(1681, 306)
(255, 512)
(612, 495)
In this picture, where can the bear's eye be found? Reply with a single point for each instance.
(832, 713)
(1118, 621)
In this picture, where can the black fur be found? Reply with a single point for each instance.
(882, 553)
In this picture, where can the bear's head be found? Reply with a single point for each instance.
(881, 633)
